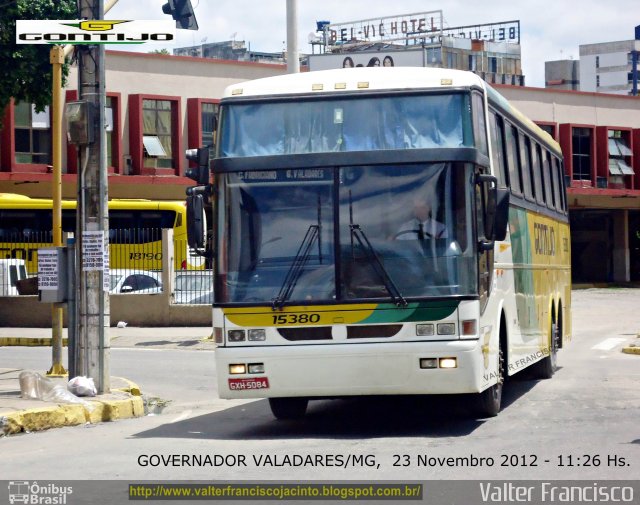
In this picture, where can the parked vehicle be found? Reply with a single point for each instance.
(192, 284)
(11, 271)
(124, 281)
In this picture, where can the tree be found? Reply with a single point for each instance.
(164, 50)
(26, 71)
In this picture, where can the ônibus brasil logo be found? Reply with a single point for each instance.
(94, 31)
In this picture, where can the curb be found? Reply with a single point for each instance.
(29, 341)
(72, 415)
(631, 350)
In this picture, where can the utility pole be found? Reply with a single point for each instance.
(293, 60)
(92, 217)
(56, 58)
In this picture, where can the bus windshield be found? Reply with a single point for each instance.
(407, 226)
(346, 124)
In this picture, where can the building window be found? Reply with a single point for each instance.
(597, 61)
(619, 154)
(112, 128)
(493, 64)
(208, 117)
(201, 124)
(597, 81)
(157, 122)
(32, 134)
(452, 60)
(109, 120)
(472, 62)
(549, 128)
(581, 142)
(434, 56)
(154, 124)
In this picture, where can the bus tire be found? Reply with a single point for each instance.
(488, 402)
(546, 367)
(288, 408)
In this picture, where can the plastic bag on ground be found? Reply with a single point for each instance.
(82, 386)
(35, 386)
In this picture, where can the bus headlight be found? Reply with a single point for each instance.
(448, 363)
(257, 335)
(256, 367)
(424, 330)
(236, 335)
(446, 329)
(428, 363)
(238, 368)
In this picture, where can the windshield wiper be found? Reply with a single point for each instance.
(293, 275)
(377, 265)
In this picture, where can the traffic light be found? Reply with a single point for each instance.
(200, 173)
(182, 12)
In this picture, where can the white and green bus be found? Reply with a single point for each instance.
(384, 232)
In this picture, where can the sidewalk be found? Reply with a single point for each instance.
(197, 337)
(19, 414)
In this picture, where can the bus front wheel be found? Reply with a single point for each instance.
(288, 408)
(489, 401)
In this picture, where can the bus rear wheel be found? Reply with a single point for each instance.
(489, 401)
(288, 408)
(546, 367)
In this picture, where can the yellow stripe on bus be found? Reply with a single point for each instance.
(300, 315)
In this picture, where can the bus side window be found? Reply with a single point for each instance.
(563, 189)
(525, 166)
(555, 184)
(511, 138)
(479, 125)
(537, 174)
(548, 181)
(497, 149)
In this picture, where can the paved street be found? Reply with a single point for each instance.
(582, 424)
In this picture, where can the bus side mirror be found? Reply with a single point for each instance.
(196, 221)
(488, 192)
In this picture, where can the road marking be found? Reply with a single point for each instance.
(608, 344)
(181, 417)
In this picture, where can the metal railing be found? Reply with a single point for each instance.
(135, 264)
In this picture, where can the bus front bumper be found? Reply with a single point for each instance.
(351, 370)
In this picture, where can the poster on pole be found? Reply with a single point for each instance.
(47, 269)
(93, 250)
(106, 279)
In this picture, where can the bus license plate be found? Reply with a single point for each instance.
(253, 383)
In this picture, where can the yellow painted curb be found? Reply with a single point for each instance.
(132, 388)
(72, 414)
(29, 342)
(631, 350)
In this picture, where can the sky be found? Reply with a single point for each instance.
(550, 30)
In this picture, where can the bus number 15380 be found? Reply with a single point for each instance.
(296, 318)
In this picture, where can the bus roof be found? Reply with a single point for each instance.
(355, 79)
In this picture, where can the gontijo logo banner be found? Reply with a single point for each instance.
(103, 31)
